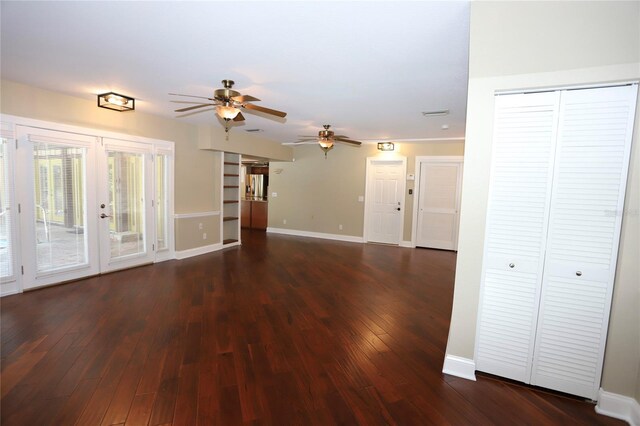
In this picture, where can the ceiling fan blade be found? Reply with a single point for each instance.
(265, 110)
(244, 98)
(306, 140)
(193, 107)
(191, 96)
(308, 136)
(298, 143)
(186, 102)
(239, 117)
(349, 141)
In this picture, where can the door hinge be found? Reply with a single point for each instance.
(152, 203)
(153, 247)
(22, 269)
(16, 143)
(19, 208)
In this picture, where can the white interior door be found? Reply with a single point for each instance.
(126, 211)
(592, 157)
(57, 206)
(520, 193)
(438, 205)
(385, 201)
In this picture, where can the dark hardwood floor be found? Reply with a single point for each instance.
(281, 330)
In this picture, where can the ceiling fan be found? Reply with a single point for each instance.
(228, 103)
(326, 139)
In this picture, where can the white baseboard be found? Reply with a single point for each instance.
(9, 288)
(337, 237)
(618, 406)
(183, 254)
(408, 244)
(459, 367)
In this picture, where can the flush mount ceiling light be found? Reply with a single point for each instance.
(116, 102)
(386, 146)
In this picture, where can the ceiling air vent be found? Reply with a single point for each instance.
(254, 130)
(434, 113)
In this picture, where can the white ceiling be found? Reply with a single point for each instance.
(367, 68)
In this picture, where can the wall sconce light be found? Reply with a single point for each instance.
(386, 146)
(116, 102)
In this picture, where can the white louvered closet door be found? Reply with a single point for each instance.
(522, 167)
(592, 158)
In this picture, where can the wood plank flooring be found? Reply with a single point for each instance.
(282, 330)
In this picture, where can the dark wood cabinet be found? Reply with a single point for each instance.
(245, 214)
(254, 214)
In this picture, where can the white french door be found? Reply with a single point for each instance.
(125, 204)
(86, 205)
(59, 238)
(385, 196)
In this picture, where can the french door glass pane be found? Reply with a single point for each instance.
(161, 201)
(6, 248)
(59, 182)
(126, 203)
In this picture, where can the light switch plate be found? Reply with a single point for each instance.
(411, 176)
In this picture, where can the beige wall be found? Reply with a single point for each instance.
(241, 142)
(189, 234)
(197, 171)
(317, 194)
(518, 45)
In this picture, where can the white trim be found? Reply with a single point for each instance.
(619, 407)
(405, 243)
(367, 192)
(199, 214)
(183, 254)
(561, 88)
(14, 281)
(337, 237)
(375, 141)
(459, 367)
(7, 288)
(87, 131)
(416, 188)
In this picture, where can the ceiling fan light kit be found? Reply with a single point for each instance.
(327, 138)
(228, 103)
(116, 102)
(227, 112)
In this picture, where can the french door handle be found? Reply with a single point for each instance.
(102, 215)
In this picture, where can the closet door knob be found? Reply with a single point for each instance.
(512, 265)
(579, 273)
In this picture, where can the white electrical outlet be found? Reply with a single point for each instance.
(284, 221)
(361, 198)
(204, 236)
(274, 194)
(340, 227)
(199, 226)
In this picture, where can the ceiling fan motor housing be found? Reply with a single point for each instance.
(225, 95)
